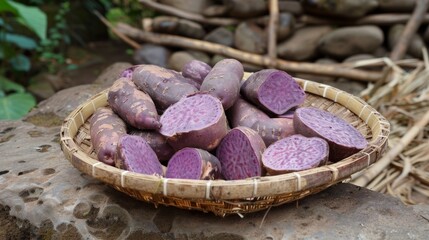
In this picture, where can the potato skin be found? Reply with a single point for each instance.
(106, 128)
(223, 81)
(157, 142)
(133, 105)
(164, 86)
(196, 70)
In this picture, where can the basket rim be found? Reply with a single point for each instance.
(224, 189)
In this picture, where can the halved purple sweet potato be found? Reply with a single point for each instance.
(193, 163)
(240, 154)
(343, 139)
(274, 129)
(197, 121)
(134, 154)
(133, 105)
(273, 90)
(196, 70)
(223, 81)
(157, 142)
(105, 130)
(164, 86)
(295, 153)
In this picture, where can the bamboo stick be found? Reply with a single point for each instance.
(410, 29)
(382, 19)
(393, 152)
(187, 15)
(312, 68)
(272, 29)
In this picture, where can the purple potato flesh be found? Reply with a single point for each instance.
(135, 155)
(295, 153)
(196, 121)
(193, 163)
(273, 90)
(343, 139)
(240, 154)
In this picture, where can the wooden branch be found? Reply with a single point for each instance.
(312, 68)
(122, 36)
(413, 24)
(272, 29)
(379, 166)
(187, 15)
(382, 19)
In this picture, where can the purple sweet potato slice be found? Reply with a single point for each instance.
(273, 90)
(295, 153)
(157, 142)
(193, 163)
(274, 129)
(243, 113)
(105, 130)
(164, 86)
(223, 81)
(133, 105)
(240, 154)
(343, 139)
(196, 70)
(197, 121)
(134, 154)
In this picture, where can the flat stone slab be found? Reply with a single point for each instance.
(43, 196)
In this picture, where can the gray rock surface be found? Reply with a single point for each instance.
(152, 54)
(221, 35)
(246, 8)
(396, 5)
(340, 8)
(348, 41)
(43, 196)
(195, 6)
(111, 73)
(250, 38)
(416, 43)
(178, 59)
(178, 26)
(303, 43)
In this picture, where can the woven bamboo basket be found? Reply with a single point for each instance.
(223, 197)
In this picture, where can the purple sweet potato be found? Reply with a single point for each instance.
(245, 114)
(274, 129)
(343, 139)
(197, 121)
(157, 142)
(193, 163)
(133, 105)
(240, 154)
(196, 70)
(273, 90)
(164, 86)
(134, 154)
(128, 73)
(223, 81)
(105, 130)
(295, 153)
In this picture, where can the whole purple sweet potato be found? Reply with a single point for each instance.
(223, 81)
(134, 154)
(343, 139)
(105, 130)
(164, 86)
(240, 154)
(157, 142)
(245, 114)
(197, 121)
(193, 163)
(273, 90)
(128, 73)
(133, 105)
(274, 129)
(196, 70)
(295, 153)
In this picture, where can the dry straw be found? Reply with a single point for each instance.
(239, 196)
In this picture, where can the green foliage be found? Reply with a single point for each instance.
(14, 101)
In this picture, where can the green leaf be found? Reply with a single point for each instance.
(21, 41)
(31, 17)
(15, 106)
(7, 85)
(20, 63)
